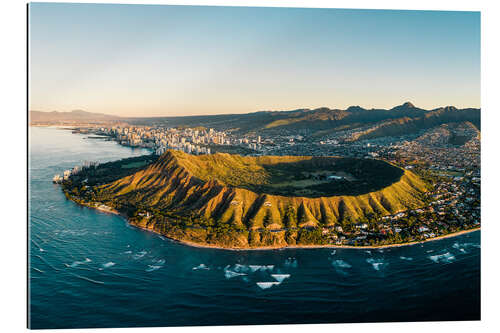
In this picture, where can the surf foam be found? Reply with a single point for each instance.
(445, 257)
(280, 277)
(377, 264)
(267, 285)
(108, 264)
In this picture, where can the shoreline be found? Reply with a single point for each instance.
(265, 248)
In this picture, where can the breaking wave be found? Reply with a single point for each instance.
(280, 277)
(230, 274)
(201, 266)
(139, 255)
(153, 268)
(341, 264)
(446, 258)
(267, 285)
(77, 263)
(377, 264)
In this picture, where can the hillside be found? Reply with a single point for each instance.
(380, 122)
(245, 202)
(455, 134)
(406, 125)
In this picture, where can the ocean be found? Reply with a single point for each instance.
(90, 269)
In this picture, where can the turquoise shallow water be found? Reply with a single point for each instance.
(91, 269)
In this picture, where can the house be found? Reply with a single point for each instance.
(423, 229)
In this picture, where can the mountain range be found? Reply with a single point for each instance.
(67, 117)
(402, 119)
(364, 123)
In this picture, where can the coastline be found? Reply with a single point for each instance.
(264, 248)
(329, 246)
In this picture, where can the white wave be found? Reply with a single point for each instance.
(406, 258)
(153, 268)
(108, 264)
(445, 257)
(340, 264)
(254, 268)
(377, 264)
(230, 274)
(76, 263)
(201, 266)
(333, 252)
(267, 285)
(139, 255)
(159, 261)
(127, 252)
(368, 251)
(280, 277)
(461, 246)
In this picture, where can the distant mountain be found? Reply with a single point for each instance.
(363, 123)
(408, 124)
(69, 117)
(457, 134)
(398, 120)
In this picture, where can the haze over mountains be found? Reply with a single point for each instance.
(368, 123)
(72, 116)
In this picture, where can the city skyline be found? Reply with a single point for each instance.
(164, 60)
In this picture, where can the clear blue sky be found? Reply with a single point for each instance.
(156, 60)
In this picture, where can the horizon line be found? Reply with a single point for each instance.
(242, 113)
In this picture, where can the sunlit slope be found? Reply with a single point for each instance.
(218, 187)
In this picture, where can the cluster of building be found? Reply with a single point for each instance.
(73, 171)
(189, 140)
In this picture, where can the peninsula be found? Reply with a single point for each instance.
(247, 202)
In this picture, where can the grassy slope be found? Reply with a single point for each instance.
(170, 184)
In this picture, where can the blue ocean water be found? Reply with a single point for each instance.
(91, 269)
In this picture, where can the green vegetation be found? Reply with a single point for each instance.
(134, 165)
(225, 200)
(294, 175)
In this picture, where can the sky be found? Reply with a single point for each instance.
(159, 60)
